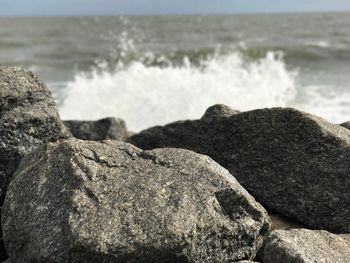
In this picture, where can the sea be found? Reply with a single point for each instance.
(152, 70)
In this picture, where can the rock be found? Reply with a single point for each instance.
(346, 124)
(28, 119)
(180, 134)
(3, 253)
(104, 129)
(304, 246)
(218, 111)
(115, 203)
(296, 164)
(277, 223)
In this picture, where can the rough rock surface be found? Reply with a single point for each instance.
(346, 124)
(28, 119)
(188, 134)
(296, 164)
(306, 246)
(3, 253)
(277, 223)
(115, 203)
(218, 111)
(104, 129)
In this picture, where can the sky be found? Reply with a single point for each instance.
(151, 7)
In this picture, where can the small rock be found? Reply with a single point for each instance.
(104, 129)
(115, 203)
(304, 246)
(180, 134)
(218, 111)
(277, 223)
(346, 124)
(294, 163)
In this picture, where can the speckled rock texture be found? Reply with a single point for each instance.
(187, 134)
(306, 246)
(346, 124)
(28, 119)
(218, 111)
(85, 201)
(277, 223)
(296, 164)
(104, 129)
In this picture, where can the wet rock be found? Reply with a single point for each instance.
(296, 164)
(28, 119)
(346, 124)
(104, 129)
(115, 203)
(304, 246)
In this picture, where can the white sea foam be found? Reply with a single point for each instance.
(150, 95)
(325, 101)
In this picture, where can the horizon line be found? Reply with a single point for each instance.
(182, 14)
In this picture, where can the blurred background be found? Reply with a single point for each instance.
(152, 62)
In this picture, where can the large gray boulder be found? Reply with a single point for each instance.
(296, 164)
(85, 201)
(103, 129)
(306, 246)
(28, 119)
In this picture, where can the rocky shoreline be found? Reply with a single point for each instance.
(269, 185)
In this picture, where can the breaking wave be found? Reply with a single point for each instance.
(154, 90)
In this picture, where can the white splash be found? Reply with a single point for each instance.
(145, 96)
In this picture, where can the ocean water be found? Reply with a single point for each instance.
(155, 70)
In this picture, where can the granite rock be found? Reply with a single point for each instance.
(28, 119)
(104, 129)
(296, 164)
(306, 246)
(218, 111)
(85, 201)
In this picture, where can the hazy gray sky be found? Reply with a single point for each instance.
(112, 7)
